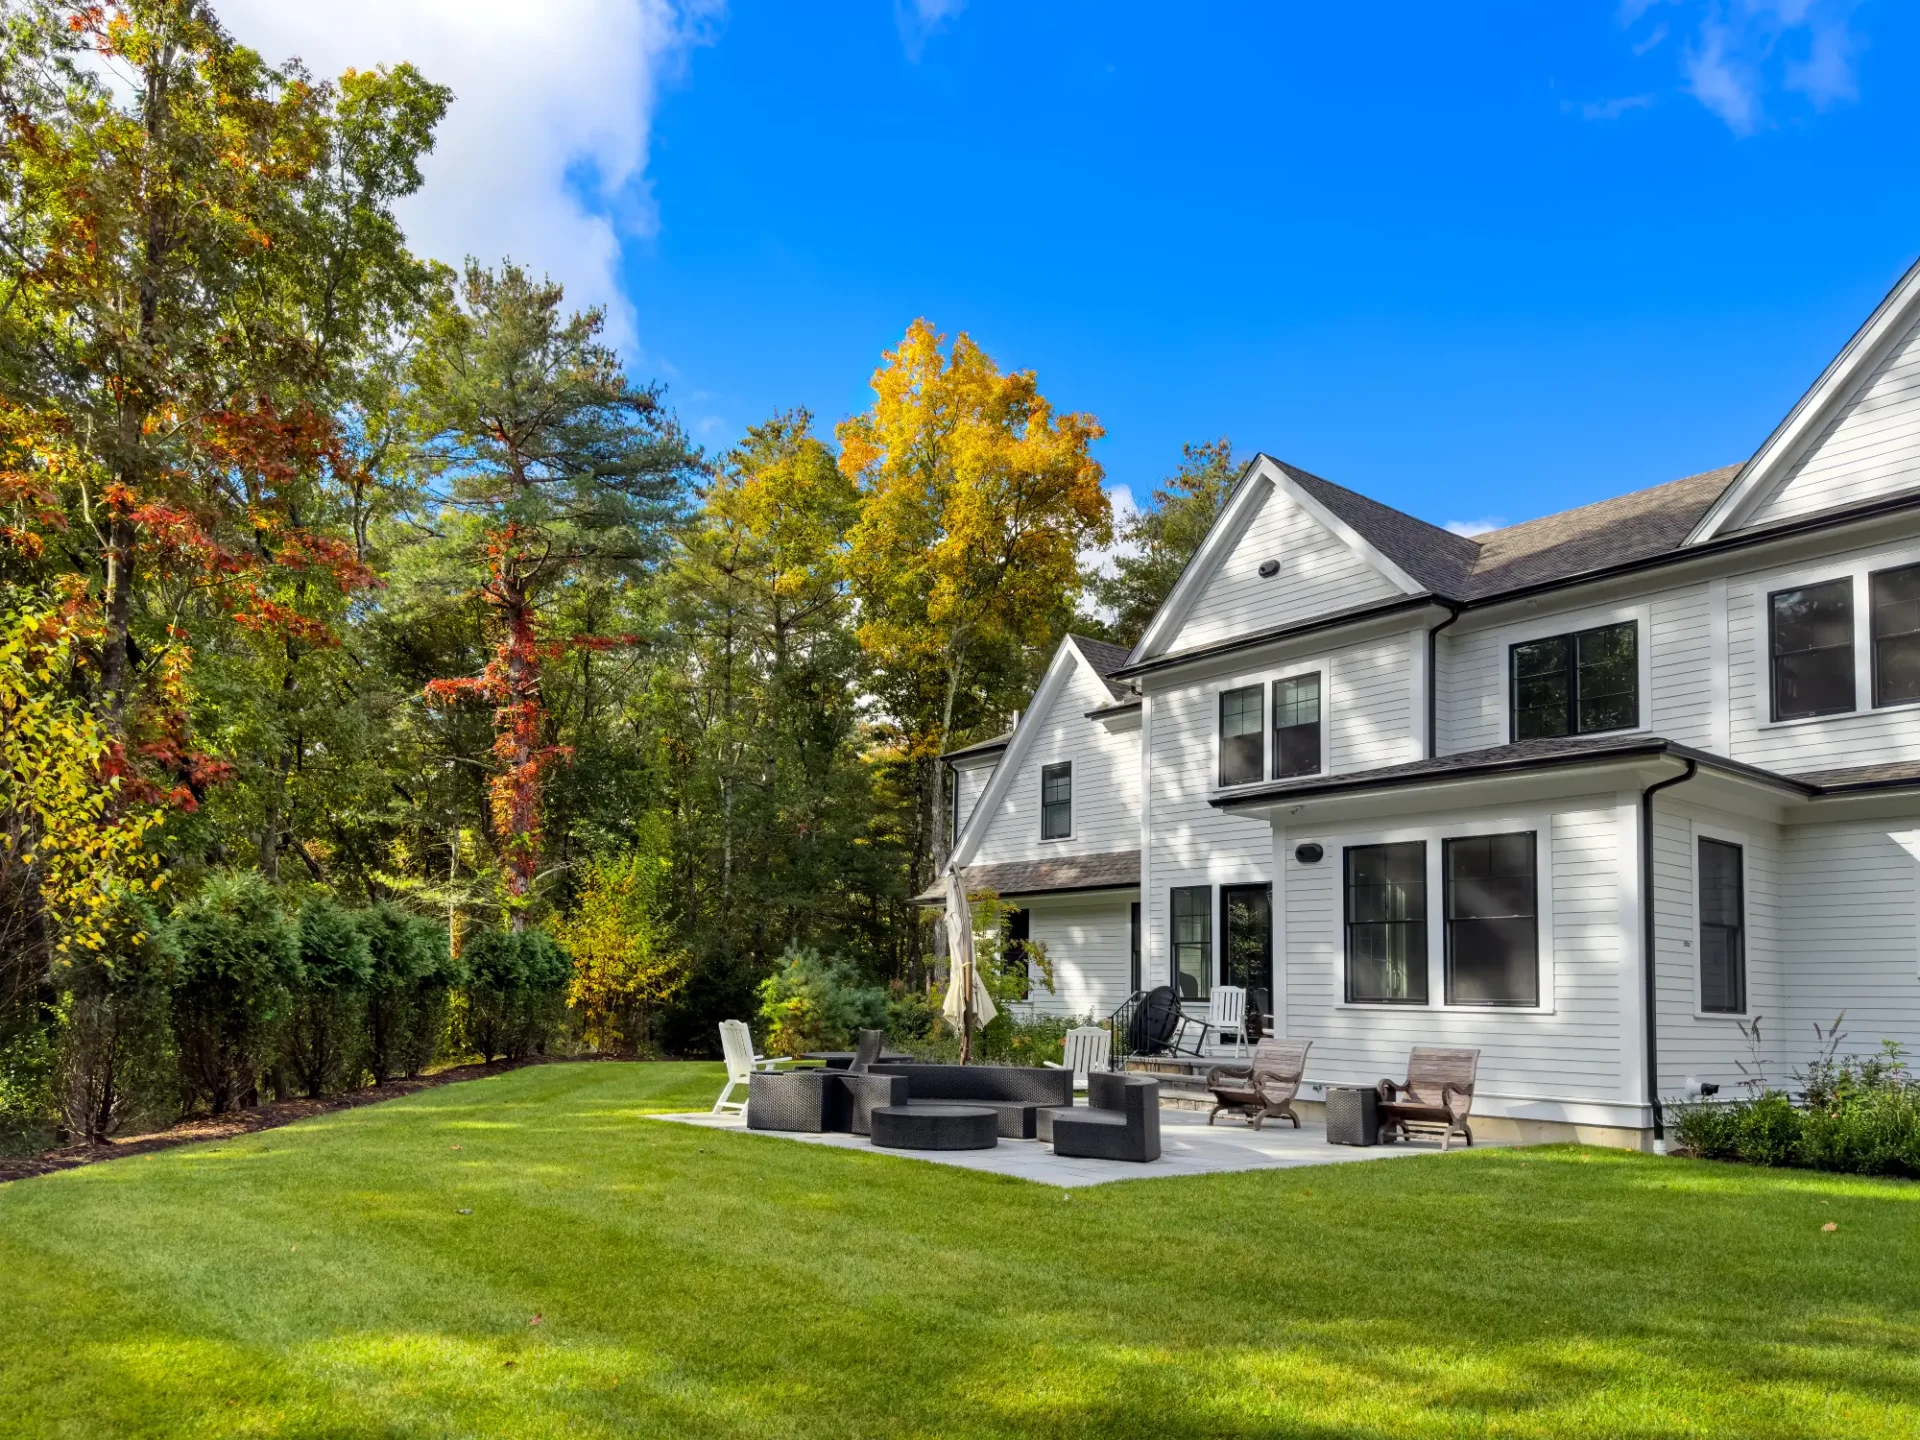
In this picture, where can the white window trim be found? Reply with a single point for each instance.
(1859, 571)
(1265, 679)
(1539, 822)
(1572, 622)
(1699, 830)
(1072, 808)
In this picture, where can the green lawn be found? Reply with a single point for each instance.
(322, 1280)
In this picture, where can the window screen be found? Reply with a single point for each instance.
(1240, 735)
(1723, 930)
(1192, 941)
(1896, 636)
(1056, 801)
(1493, 926)
(1296, 726)
(1578, 684)
(1812, 646)
(1387, 923)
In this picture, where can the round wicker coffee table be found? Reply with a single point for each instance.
(935, 1127)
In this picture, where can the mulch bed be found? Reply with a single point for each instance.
(260, 1117)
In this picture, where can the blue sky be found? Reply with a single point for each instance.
(1479, 262)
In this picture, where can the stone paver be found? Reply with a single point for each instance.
(1188, 1146)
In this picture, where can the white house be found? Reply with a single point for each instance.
(1587, 792)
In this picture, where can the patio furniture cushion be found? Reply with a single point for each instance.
(1121, 1121)
(935, 1127)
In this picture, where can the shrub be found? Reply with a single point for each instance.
(323, 1034)
(113, 1059)
(626, 966)
(515, 992)
(1767, 1130)
(239, 961)
(816, 1002)
(411, 972)
(28, 1107)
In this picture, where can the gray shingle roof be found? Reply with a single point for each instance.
(1858, 777)
(1105, 659)
(1108, 870)
(1555, 547)
(980, 747)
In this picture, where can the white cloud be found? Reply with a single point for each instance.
(1471, 528)
(920, 20)
(1608, 109)
(1741, 51)
(543, 155)
(1098, 559)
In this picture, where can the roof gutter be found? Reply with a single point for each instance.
(1648, 960)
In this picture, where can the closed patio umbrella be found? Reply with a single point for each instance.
(962, 968)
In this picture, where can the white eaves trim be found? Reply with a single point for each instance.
(1261, 479)
(1852, 368)
(1032, 720)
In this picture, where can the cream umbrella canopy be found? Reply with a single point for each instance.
(963, 972)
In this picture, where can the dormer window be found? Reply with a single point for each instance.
(1241, 743)
(1579, 684)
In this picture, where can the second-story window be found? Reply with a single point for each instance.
(1296, 726)
(1056, 801)
(1579, 684)
(1896, 636)
(1811, 648)
(1240, 739)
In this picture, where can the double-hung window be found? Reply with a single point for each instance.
(1056, 801)
(1493, 920)
(1579, 684)
(1296, 726)
(1896, 635)
(1192, 907)
(1723, 929)
(1810, 644)
(1241, 742)
(1386, 922)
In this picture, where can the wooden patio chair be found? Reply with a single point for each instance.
(1436, 1098)
(1088, 1049)
(736, 1047)
(1264, 1088)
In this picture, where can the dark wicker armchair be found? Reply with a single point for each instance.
(1264, 1088)
(1436, 1098)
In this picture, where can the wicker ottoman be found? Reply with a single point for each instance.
(935, 1127)
(1353, 1116)
(796, 1100)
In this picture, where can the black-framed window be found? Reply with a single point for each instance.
(1723, 928)
(1895, 597)
(1296, 726)
(1810, 641)
(1578, 684)
(1013, 959)
(1491, 893)
(1386, 909)
(1240, 740)
(1192, 908)
(1056, 801)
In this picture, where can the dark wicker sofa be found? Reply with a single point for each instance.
(1017, 1092)
(1121, 1120)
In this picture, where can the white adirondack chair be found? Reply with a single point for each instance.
(1227, 1011)
(1088, 1048)
(736, 1046)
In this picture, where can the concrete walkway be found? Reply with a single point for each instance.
(1188, 1146)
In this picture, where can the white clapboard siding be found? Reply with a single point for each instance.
(1319, 574)
(1369, 712)
(1573, 1052)
(1089, 942)
(1691, 1044)
(1849, 894)
(1871, 447)
(1865, 737)
(1106, 781)
(970, 779)
(1679, 705)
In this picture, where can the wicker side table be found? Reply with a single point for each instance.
(1353, 1116)
(935, 1127)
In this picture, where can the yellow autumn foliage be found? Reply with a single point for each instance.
(625, 965)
